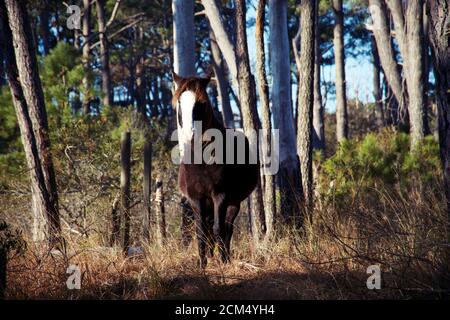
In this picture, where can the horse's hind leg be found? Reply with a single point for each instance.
(232, 212)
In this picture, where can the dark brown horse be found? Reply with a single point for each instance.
(214, 190)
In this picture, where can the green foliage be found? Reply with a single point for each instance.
(9, 129)
(380, 159)
(62, 75)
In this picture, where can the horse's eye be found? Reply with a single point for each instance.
(180, 119)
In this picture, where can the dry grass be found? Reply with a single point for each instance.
(402, 232)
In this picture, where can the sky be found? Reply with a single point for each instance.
(358, 71)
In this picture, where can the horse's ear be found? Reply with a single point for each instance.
(176, 78)
(207, 78)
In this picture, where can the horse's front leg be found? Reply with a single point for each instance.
(201, 230)
(220, 211)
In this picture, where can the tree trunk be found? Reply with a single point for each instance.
(222, 85)
(247, 98)
(318, 140)
(146, 188)
(125, 177)
(409, 35)
(183, 35)
(426, 72)
(289, 173)
(44, 26)
(339, 57)
(377, 84)
(439, 23)
(305, 103)
(104, 54)
(86, 56)
(141, 104)
(184, 66)
(30, 108)
(263, 89)
(223, 39)
(382, 34)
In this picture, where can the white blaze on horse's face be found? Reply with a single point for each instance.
(186, 105)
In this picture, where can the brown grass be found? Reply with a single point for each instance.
(402, 232)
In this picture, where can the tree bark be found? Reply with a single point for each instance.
(318, 140)
(125, 178)
(263, 89)
(222, 85)
(183, 35)
(30, 109)
(382, 34)
(223, 39)
(86, 87)
(426, 72)
(104, 54)
(305, 103)
(439, 26)
(409, 34)
(339, 57)
(146, 189)
(377, 84)
(289, 173)
(247, 98)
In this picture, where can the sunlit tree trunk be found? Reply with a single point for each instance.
(377, 84)
(305, 103)
(409, 34)
(339, 57)
(223, 39)
(263, 90)
(247, 98)
(86, 25)
(289, 173)
(183, 35)
(222, 83)
(382, 33)
(104, 54)
(28, 99)
(318, 140)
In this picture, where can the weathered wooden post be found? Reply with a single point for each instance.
(160, 212)
(147, 182)
(125, 160)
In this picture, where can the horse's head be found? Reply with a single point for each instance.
(192, 105)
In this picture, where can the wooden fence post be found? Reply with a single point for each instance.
(160, 212)
(125, 177)
(147, 183)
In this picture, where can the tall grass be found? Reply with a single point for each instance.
(375, 205)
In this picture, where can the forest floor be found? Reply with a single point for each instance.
(281, 271)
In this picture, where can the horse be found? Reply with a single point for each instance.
(214, 190)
